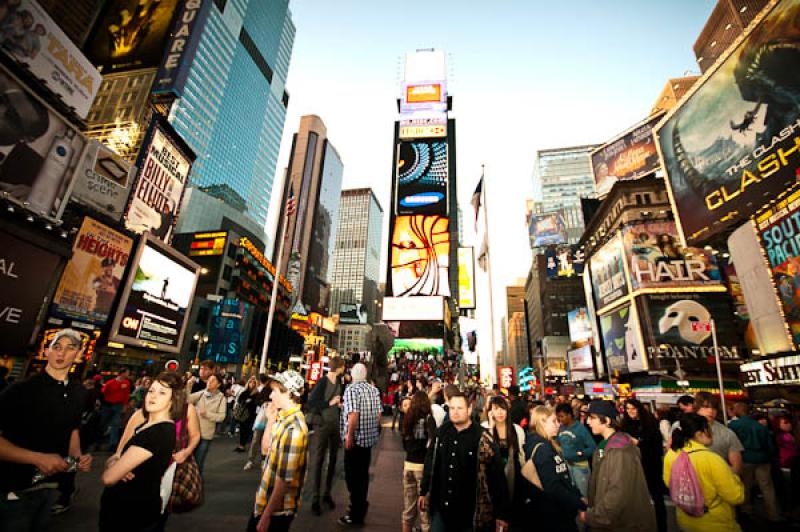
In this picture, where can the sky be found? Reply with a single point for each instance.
(524, 76)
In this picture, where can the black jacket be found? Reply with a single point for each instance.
(316, 399)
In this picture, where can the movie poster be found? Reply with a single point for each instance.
(630, 156)
(608, 273)
(547, 229)
(92, 277)
(422, 178)
(734, 144)
(623, 351)
(420, 256)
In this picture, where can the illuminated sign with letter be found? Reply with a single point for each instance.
(208, 244)
(782, 371)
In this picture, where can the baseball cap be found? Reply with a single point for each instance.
(291, 380)
(72, 334)
(603, 408)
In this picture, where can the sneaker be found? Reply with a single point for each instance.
(249, 465)
(329, 501)
(59, 508)
(315, 509)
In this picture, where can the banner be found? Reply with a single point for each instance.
(547, 229)
(629, 156)
(564, 261)
(734, 143)
(157, 192)
(39, 150)
(420, 256)
(608, 273)
(623, 351)
(580, 326)
(579, 362)
(92, 276)
(422, 178)
(103, 180)
(657, 260)
(466, 278)
(34, 40)
(181, 47)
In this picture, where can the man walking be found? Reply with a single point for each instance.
(577, 446)
(39, 427)
(116, 393)
(359, 431)
(324, 403)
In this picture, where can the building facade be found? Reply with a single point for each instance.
(728, 20)
(353, 338)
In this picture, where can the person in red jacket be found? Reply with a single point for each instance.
(116, 393)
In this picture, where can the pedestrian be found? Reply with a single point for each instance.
(642, 427)
(198, 384)
(418, 430)
(131, 501)
(324, 402)
(618, 497)
(788, 463)
(463, 485)
(720, 486)
(39, 429)
(210, 406)
(245, 414)
(360, 422)
(284, 444)
(116, 393)
(685, 404)
(577, 446)
(759, 451)
(724, 441)
(519, 407)
(510, 439)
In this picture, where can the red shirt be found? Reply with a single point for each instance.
(116, 392)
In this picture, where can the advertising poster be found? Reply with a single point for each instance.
(657, 260)
(629, 156)
(466, 278)
(430, 346)
(505, 376)
(547, 229)
(181, 47)
(734, 143)
(31, 38)
(155, 304)
(208, 244)
(92, 277)
(564, 261)
(422, 178)
(39, 150)
(678, 329)
(621, 347)
(579, 363)
(420, 256)
(608, 273)
(25, 275)
(225, 332)
(352, 313)
(778, 228)
(469, 339)
(158, 189)
(424, 98)
(423, 128)
(131, 34)
(580, 326)
(103, 180)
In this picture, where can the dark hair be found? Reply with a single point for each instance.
(458, 393)
(511, 433)
(209, 364)
(706, 400)
(336, 363)
(685, 400)
(564, 408)
(605, 420)
(451, 390)
(647, 420)
(513, 390)
(262, 378)
(688, 426)
(419, 409)
(173, 381)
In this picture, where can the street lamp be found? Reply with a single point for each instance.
(200, 339)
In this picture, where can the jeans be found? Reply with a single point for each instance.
(254, 455)
(201, 452)
(356, 475)
(580, 476)
(278, 523)
(326, 442)
(30, 513)
(112, 423)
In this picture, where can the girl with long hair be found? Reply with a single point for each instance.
(418, 429)
(247, 402)
(510, 439)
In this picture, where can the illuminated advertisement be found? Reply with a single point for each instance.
(131, 34)
(422, 308)
(629, 156)
(352, 313)
(734, 143)
(181, 47)
(155, 304)
(423, 128)
(466, 278)
(225, 331)
(505, 376)
(208, 244)
(579, 364)
(428, 97)
(416, 345)
(580, 325)
(564, 261)
(783, 370)
(34, 40)
(103, 180)
(39, 150)
(157, 192)
(621, 346)
(778, 228)
(422, 178)
(608, 273)
(657, 260)
(469, 339)
(420, 256)
(92, 277)
(547, 229)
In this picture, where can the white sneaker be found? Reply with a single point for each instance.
(248, 466)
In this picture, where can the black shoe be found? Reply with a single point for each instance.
(239, 450)
(315, 509)
(329, 501)
(346, 520)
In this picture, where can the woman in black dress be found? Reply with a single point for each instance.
(131, 501)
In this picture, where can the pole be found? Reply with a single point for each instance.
(488, 261)
(273, 299)
(719, 373)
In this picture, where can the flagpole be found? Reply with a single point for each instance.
(273, 299)
(488, 262)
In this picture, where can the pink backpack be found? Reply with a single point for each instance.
(684, 487)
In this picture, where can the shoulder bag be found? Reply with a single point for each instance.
(187, 486)
(529, 471)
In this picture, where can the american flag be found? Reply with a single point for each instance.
(291, 203)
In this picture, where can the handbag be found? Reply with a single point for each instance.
(187, 485)
(241, 413)
(529, 471)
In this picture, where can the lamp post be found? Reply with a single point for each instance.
(200, 339)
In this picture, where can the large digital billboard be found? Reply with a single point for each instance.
(466, 278)
(607, 270)
(229, 319)
(103, 180)
(623, 351)
(419, 262)
(157, 297)
(547, 229)
(563, 261)
(422, 178)
(92, 277)
(629, 156)
(733, 144)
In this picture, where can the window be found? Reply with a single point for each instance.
(226, 272)
(202, 316)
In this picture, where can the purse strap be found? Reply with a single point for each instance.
(182, 442)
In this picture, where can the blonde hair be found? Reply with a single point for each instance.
(539, 415)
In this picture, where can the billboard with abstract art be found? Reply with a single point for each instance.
(420, 256)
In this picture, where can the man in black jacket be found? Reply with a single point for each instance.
(323, 407)
(519, 407)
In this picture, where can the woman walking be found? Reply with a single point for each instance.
(245, 413)
(418, 429)
(210, 406)
(510, 439)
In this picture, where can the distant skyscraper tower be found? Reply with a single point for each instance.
(357, 258)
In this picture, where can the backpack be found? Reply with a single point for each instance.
(684, 487)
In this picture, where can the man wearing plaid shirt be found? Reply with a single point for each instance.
(284, 443)
(361, 415)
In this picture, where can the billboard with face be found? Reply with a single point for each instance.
(420, 256)
(734, 144)
(422, 178)
(623, 351)
(547, 229)
(608, 273)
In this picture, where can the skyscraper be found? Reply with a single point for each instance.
(357, 257)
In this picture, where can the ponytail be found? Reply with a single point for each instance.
(688, 426)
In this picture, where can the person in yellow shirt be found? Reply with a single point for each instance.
(721, 487)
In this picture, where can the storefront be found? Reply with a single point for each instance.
(771, 379)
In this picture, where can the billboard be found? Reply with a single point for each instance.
(163, 172)
(156, 300)
(103, 180)
(181, 47)
(466, 278)
(657, 260)
(420, 308)
(34, 40)
(39, 150)
(422, 178)
(419, 261)
(775, 371)
(419, 345)
(608, 273)
(208, 244)
(564, 261)
(225, 332)
(734, 143)
(25, 275)
(469, 339)
(621, 346)
(92, 277)
(131, 34)
(579, 364)
(505, 376)
(424, 97)
(630, 155)
(423, 128)
(352, 313)
(580, 325)
(547, 229)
